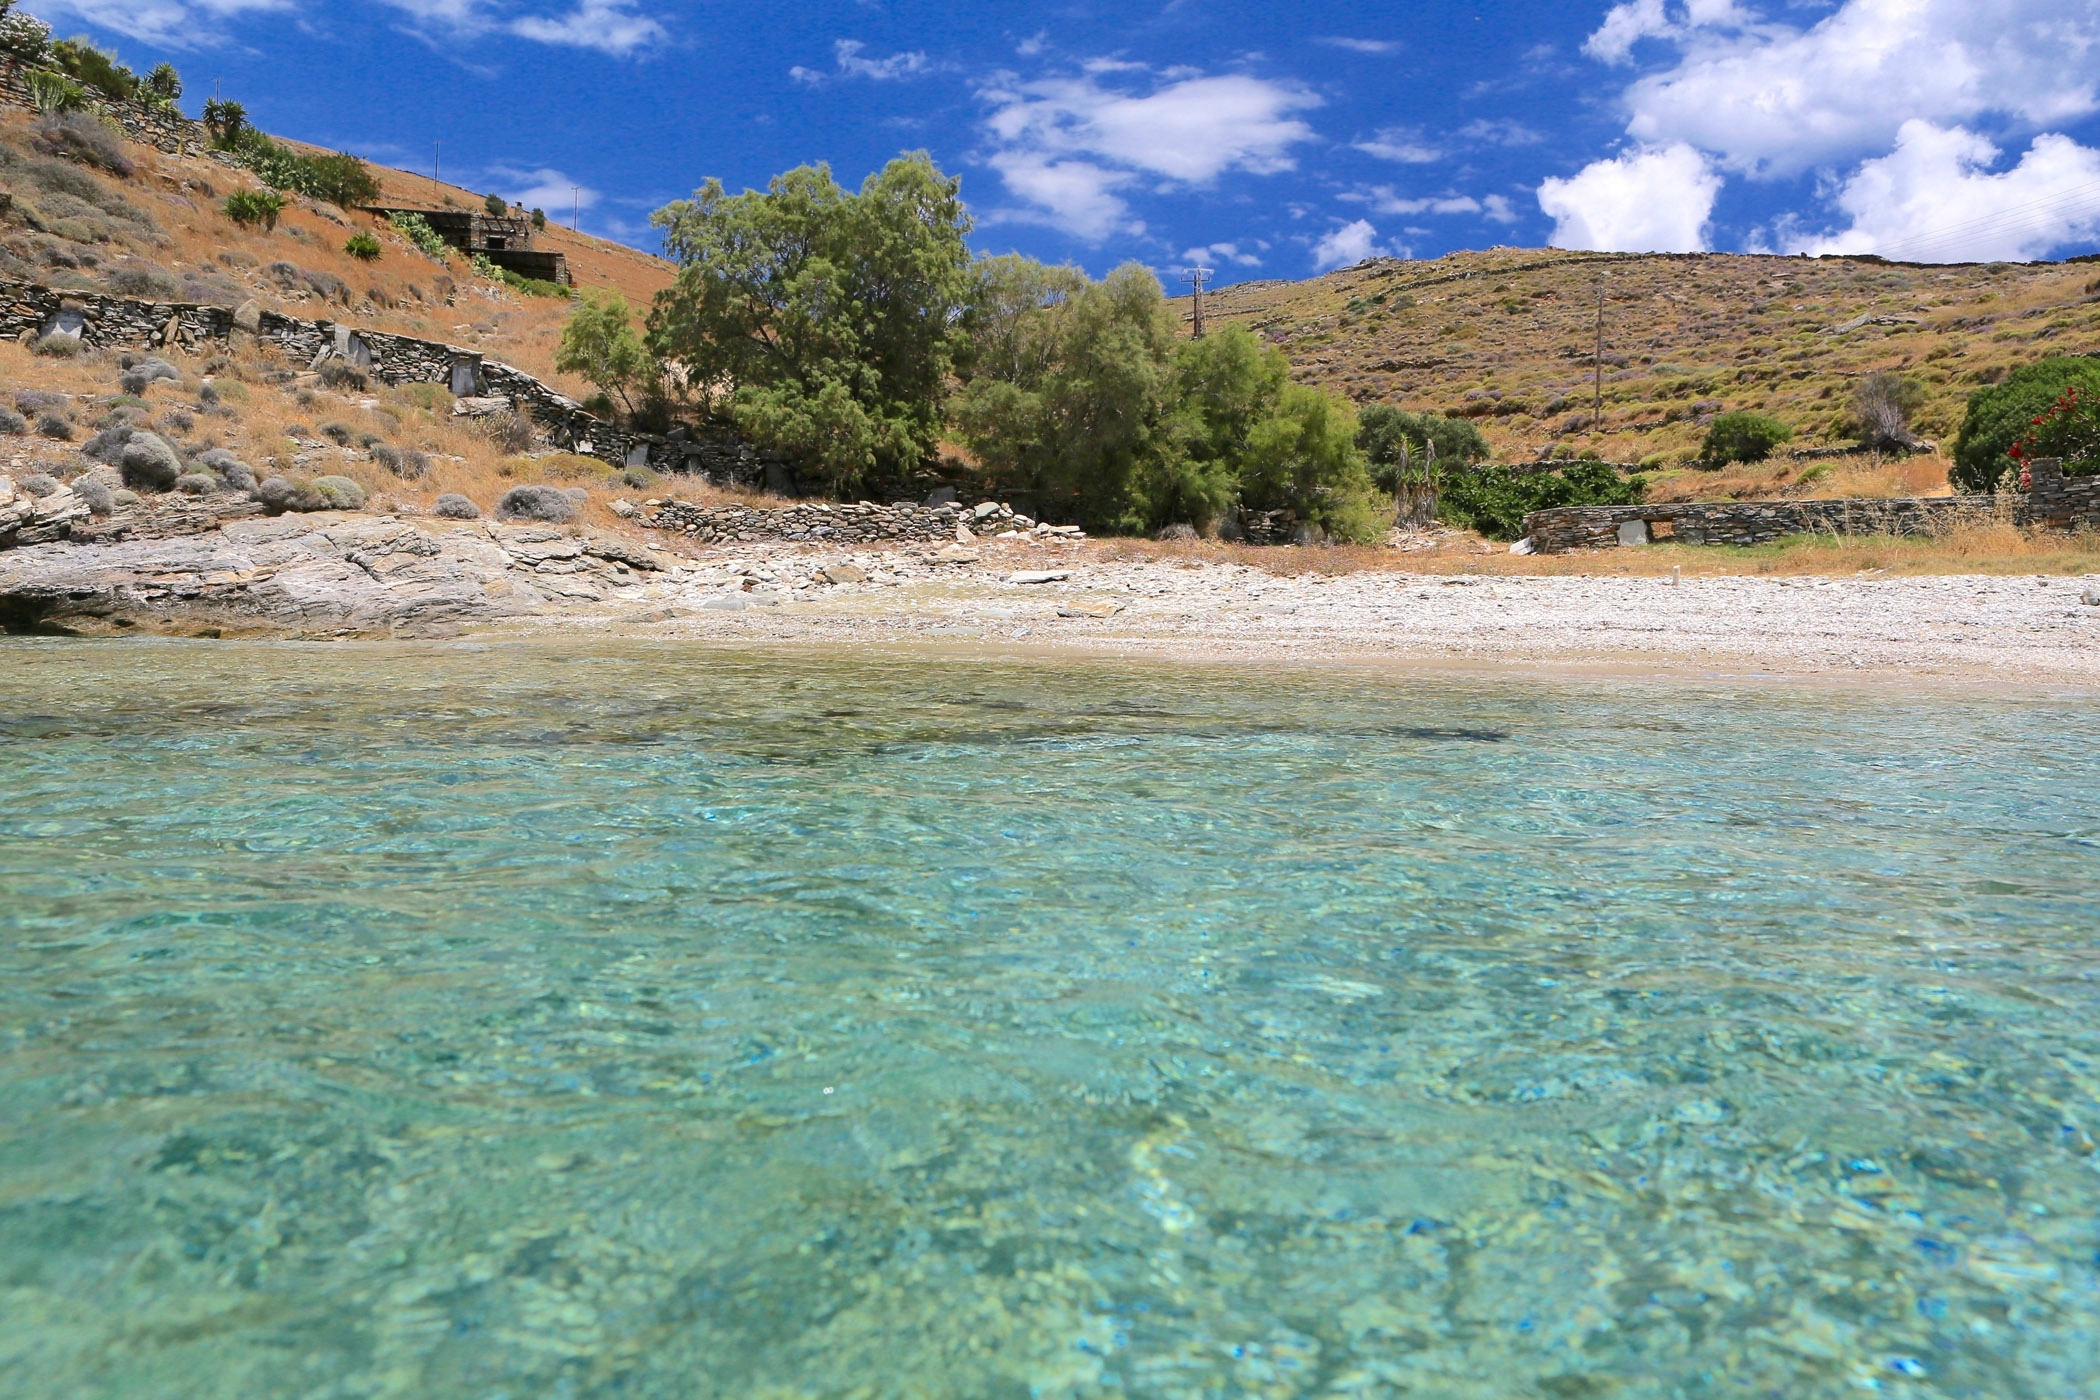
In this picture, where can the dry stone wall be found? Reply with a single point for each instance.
(861, 523)
(2062, 502)
(1742, 522)
(169, 132)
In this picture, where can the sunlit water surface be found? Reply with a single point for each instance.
(634, 1021)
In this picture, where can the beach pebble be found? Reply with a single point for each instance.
(2091, 596)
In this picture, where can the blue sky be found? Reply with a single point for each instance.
(1267, 139)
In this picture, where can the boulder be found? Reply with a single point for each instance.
(248, 316)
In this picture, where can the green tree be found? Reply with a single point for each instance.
(1383, 429)
(1068, 389)
(1999, 415)
(1303, 456)
(601, 344)
(829, 320)
(1494, 500)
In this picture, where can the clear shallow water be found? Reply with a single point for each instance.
(452, 1021)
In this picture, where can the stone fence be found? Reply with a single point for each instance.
(29, 312)
(2055, 501)
(2061, 502)
(862, 523)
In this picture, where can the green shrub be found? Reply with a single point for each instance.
(1494, 500)
(164, 84)
(54, 92)
(2001, 414)
(251, 207)
(2069, 432)
(1743, 436)
(496, 205)
(417, 230)
(225, 121)
(539, 219)
(85, 63)
(363, 246)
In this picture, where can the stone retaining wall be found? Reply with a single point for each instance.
(2062, 502)
(30, 311)
(169, 132)
(1742, 522)
(861, 523)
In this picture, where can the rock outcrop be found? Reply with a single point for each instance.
(340, 574)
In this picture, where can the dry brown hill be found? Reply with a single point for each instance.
(1508, 337)
(160, 232)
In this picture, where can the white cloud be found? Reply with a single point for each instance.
(1067, 144)
(1386, 200)
(1077, 196)
(897, 65)
(541, 188)
(609, 26)
(1222, 252)
(1502, 132)
(1652, 200)
(1770, 99)
(175, 24)
(1933, 199)
(1498, 209)
(1377, 46)
(1395, 143)
(1347, 246)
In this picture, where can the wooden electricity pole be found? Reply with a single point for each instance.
(1597, 403)
(1195, 277)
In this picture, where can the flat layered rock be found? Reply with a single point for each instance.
(295, 573)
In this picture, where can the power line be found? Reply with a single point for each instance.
(2011, 218)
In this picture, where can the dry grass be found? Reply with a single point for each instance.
(1509, 334)
(1980, 545)
(405, 291)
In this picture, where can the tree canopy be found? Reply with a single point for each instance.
(825, 322)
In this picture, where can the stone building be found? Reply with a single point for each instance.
(504, 239)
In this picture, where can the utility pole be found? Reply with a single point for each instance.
(434, 161)
(1195, 277)
(1597, 404)
(575, 207)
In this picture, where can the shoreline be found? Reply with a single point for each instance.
(347, 576)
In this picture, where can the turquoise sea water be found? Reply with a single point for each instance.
(581, 1021)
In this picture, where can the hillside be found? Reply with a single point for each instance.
(136, 221)
(1508, 337)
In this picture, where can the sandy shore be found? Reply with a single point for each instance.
(2018, 628)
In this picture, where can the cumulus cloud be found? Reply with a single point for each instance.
(1652, 200)
(1934, 199)
(1066, 145)
(1348, 245)
(1770, 99)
